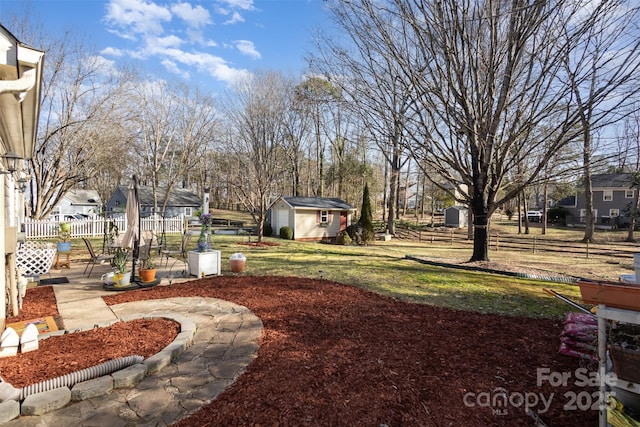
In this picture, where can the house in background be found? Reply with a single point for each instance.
(76, 204)
(181, 201)
(310, 218)
(612, 197)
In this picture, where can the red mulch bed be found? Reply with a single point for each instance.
(60, 355)
(336, 355)
(38, 302)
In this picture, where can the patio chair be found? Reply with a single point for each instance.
(182, 252)
(95, 257)
(151, 238)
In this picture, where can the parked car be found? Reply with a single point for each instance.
(75, 216)
(534, 216)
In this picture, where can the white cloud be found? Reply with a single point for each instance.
(246, 47)
(153, 34)
(240, 4)
(213, 65)
(161, 43)
(112, 51)
(172, 67)
(235, 18)
(195, 17)
(137, 16)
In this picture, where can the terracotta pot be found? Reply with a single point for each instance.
(237, 262)
(612, 294)
(147, 274)
(237, 265)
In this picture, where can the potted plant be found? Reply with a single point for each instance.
(122, 276)
(64, 233)
(147, 271)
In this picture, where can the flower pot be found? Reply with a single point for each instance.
(108, 278)
(63, 247)
(237, 262)
(121, 280)
(147, 274)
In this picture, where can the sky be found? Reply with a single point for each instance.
(208, 43)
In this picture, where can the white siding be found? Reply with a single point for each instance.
(307, 226)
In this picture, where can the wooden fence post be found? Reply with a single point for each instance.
(534, 244)
(587, 249)
(497, 241)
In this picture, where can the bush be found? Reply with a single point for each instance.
(286, 233)
(344, 238)
(267, 230)
(354, 231)
(557, 215)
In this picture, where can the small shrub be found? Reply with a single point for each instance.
(286, 233)
(557, 215)
(354, 231)
(344, 238)
(267, 230)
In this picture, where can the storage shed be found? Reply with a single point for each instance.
(310, 218)
(456, 216)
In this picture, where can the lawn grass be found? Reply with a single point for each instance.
(383, 267)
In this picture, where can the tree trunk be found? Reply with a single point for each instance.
(545, 196)
(480, 213)
(633, 214)
(589, 228)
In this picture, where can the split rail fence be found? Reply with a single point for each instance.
(622, 251)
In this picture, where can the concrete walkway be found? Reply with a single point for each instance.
(225, 341)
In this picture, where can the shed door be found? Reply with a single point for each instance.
(283, 219)
(343, 220)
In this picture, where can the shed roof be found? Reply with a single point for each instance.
(317, 203)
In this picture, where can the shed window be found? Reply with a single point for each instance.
(188, 211)
(628, 194)
(323, 217)
(614, 212)
(607, 195)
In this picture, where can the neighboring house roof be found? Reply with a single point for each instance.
(179, 197)
(612, 180)
(83, 197)
(317, 203)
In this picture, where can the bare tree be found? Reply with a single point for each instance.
(317, 94)
(175, 126)
(368, 73)
(601, 64)
(255, 112)
(80, 98)
(489, 89)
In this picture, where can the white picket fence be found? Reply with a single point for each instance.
(92, 227)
